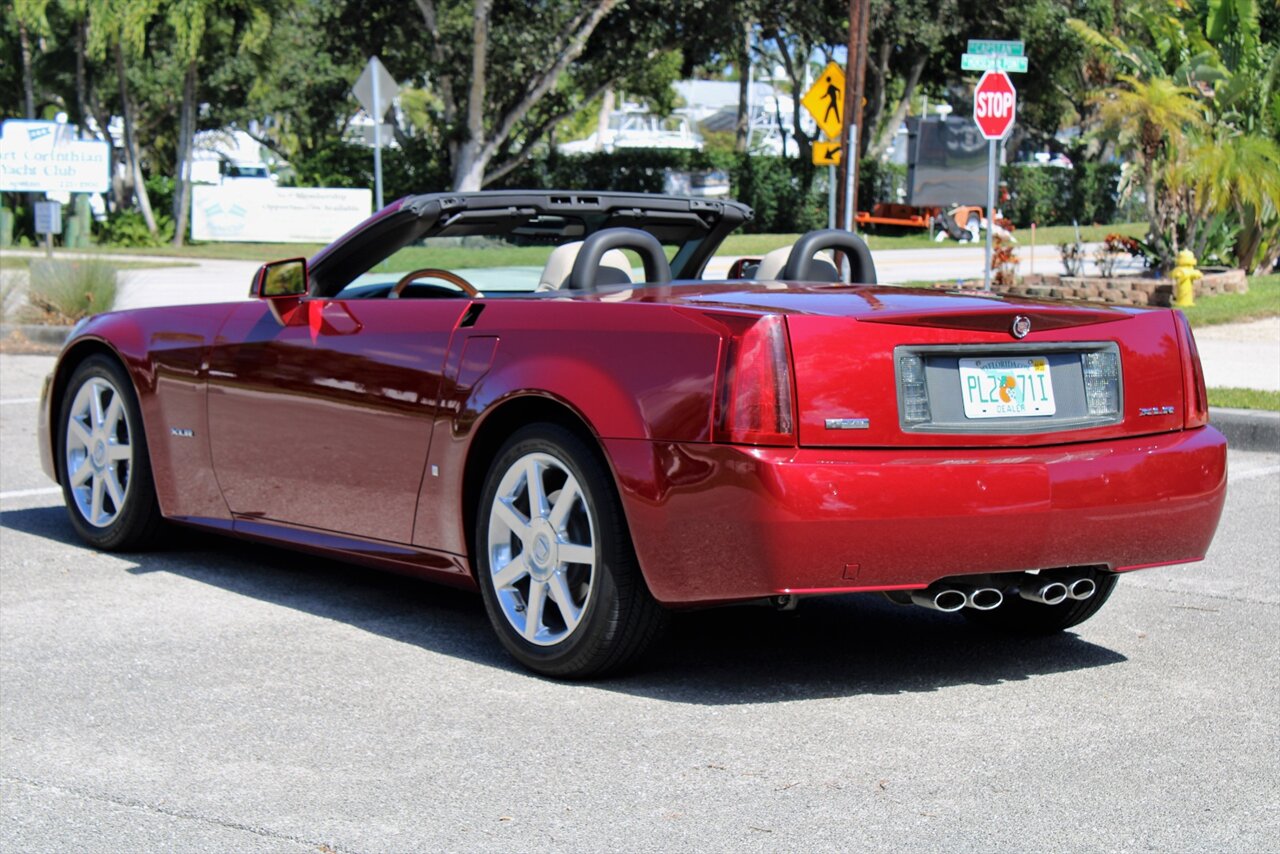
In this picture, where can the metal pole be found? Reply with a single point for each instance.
(991, 206)
(851, 175)
(831, 197)
(377, 147)
(855, 81)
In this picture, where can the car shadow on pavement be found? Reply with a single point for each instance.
(828, 647)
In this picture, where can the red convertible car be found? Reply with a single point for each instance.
(591, 434)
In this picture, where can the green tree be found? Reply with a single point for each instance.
(190, 22)
(118, 29)
(1151, 119)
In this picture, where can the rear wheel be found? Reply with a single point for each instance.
(102, 458)
(1020, 617)
(554, 560)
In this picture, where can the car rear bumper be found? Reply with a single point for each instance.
(716, 523)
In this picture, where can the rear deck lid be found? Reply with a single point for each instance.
(984, 372)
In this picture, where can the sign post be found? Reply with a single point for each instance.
(825, 101)
(375, 90)
(994, 105)
(48, 223)
(828, 154)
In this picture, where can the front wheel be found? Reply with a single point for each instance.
(555, 562)
(102, 458)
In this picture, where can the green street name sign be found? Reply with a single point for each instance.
(987, 47)
(987, 62)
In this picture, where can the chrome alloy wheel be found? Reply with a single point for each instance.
(542, 549)
(99, 451)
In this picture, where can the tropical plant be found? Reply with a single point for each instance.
(1240, 173)
(1151, 119)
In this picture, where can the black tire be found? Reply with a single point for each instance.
(617, 619)
(1017, 616)
(136, 521)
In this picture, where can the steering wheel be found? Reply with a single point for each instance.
(433, 273)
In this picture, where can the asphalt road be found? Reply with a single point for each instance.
(217, 696)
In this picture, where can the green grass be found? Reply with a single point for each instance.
(223, 251)
(1244, 398)
(22, 262)
(1262, 300)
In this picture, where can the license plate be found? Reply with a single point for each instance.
(1007, 387)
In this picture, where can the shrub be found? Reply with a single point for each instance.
(128, 228)
(1048, 195)
(63, 292)
(1038, 194)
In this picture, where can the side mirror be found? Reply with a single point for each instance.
(286, 278)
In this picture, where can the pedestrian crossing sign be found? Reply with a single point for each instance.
(825, 100)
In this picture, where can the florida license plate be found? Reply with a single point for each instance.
(1006, 387)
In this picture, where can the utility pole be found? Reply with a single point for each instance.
(855, 77)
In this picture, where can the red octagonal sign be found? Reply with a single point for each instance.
(994, 102)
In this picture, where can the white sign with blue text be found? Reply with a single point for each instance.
(47, 157)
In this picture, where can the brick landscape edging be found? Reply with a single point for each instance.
(1123, 290)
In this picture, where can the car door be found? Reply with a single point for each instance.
(324, 420)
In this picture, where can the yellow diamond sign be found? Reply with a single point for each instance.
(825, 100)
(827, 153)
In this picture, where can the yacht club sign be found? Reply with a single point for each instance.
(46, 157)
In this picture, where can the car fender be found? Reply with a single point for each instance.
(165, 352)
(617, 384)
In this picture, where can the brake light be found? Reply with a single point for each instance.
(1195, 395)
(754, 401)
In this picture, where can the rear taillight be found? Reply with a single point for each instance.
(1195, 396)
(754, 401)
(1101, 382)
(915, 389)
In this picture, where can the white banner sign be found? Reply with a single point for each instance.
(246, 213)
(46, 157)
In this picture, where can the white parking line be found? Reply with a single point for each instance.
(1253, 474)
(16, 400)
(29, 493)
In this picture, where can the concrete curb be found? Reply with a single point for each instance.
(54, 336)
(1245, 429)
(1248, 429)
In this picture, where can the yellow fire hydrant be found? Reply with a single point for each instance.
(1185, 275)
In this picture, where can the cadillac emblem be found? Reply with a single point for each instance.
(1021, 326)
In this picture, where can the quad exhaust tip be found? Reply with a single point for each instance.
(983, 598)
(1082, 588)
(1043, 589)
(952, 598)
(1045, 592)
(946, 599)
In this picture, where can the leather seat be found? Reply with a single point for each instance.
(770, 266)
(615, 269)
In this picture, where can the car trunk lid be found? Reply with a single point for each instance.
(982, 372)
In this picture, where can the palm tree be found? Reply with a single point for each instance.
(119, 28)
(1240, 173)
(1151, 118)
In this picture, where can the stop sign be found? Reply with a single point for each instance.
(994, 102)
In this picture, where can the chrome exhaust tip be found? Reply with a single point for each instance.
(983, 598)
(1081, 588)
(946, 599)
(1035, 589)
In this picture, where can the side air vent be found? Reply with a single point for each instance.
(471, 315)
